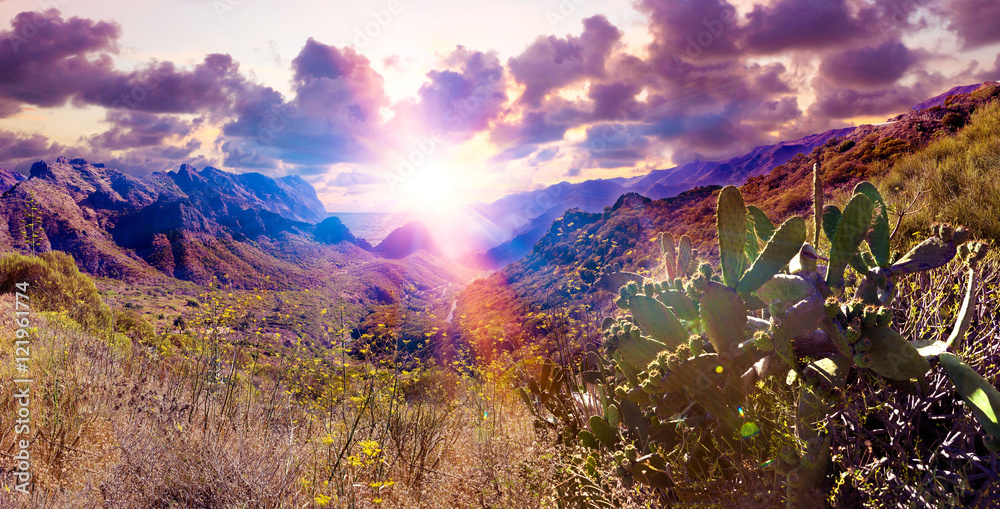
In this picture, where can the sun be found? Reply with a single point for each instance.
(433, 189)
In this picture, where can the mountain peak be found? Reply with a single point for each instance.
(409, 238)
(186, 175)
(40, 169)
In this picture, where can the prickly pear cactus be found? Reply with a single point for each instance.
(687, 351)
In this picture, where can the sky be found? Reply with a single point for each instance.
(419, 105)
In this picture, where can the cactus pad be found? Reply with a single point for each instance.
(731, 222)
(783, 246)
(893, 357)
(983, 398)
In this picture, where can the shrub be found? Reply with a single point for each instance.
(55, 284)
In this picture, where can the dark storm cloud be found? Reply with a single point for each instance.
(551, 62)
(976, 22)
(868, 66)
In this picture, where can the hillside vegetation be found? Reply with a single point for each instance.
(226, 413)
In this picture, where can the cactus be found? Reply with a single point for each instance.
(666, 241)
(683, 356)
(658, 321)
(724, 315)
(851, 230)
(878, 238)
(761, 224)
(680, 303)
(685, 255)
(982, 398)
(893, 357)
(817, 203)
(831, 218)
(929, 254)
(784, 244)
(731, 222)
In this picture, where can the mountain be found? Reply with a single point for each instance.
(333, 231)
(528, 215)
(759, 161)
(407, 239)
(561, 269)
(289, 196)
(8, 179)
(938, 100)
(179, 223)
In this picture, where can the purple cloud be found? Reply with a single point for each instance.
(799, 25)
(976, 22)
(132, 129)
(868, 66)
(551, 62)
(333, 116)
(458, 101)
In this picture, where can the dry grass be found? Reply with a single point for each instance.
(115, 424)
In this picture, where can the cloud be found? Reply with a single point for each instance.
(354, 178)
(551, 62)
(332, 118)
(46, 60)
(131, 129)
(799, 25)
(614, 145)
(16, 146)
(846, 102)
(615, 101)
(458, 101)
(690, 29)
(520, 138)
(211, 87)
(975, 22)
(868, 66)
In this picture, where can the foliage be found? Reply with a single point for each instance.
(677, 376)
(56, 285)
(955, 178)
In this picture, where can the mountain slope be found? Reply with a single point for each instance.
(184, 224)
(563, 266)
(519, 213)
(8, 179)
(407, 239)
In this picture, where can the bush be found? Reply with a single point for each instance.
(133, 325)
(55, 284)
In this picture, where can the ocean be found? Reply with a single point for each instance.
(373, 226)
